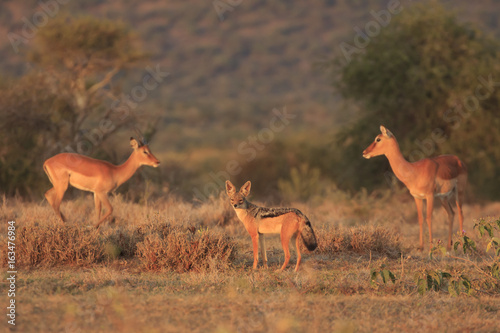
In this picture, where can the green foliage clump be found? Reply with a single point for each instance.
(437, 280)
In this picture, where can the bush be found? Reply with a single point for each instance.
(157, 246)
(366, 240)
(57, 245)
(178, 249)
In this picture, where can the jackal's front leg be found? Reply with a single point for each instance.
(262, 244)
(255, 244)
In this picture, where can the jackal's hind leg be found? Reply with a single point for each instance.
(297, 247)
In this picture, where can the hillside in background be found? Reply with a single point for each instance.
(226, 76)
(260, 56)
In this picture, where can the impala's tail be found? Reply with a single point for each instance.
(307, 234)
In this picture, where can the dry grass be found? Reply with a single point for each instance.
(181, 250)
(175, 266)
(57, 245)
(366, 240)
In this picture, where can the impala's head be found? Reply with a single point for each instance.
(238, 199)
(381, 143)
(143, 154)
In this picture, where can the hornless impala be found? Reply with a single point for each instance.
(88, 174)
(443, 176)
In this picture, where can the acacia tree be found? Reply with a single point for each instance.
(65, 95)
(431, 80)
(80, 57)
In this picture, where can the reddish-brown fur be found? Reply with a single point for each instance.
(442, 176)
(288, 222)
(88, 174)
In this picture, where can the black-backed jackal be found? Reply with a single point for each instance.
(288, 222)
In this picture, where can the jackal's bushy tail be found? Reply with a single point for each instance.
(308, 236)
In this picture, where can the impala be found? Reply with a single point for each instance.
(88, 174)
(443, 176)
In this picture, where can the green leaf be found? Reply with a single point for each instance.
(490, 231)
(373, 275)
(453, 290)
(385, 275)
(421, 286)
(481, 230)
(392, 276)
(495, 270)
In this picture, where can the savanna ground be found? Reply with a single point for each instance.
(169, 265)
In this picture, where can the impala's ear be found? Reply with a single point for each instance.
(133, 143)
(245, 189)
(386, 132)
(230, 188)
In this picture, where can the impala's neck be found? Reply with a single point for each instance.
(126, 170)
(400, 166)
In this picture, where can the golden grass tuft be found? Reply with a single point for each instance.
(181, 250)
(57, 245)
(157, 246)
(368, 240)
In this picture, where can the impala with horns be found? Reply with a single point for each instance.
(443, 176)
(88, 174)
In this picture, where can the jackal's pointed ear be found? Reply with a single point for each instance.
(133, 143)
(245, 189)
(230, 188)
(386, 132)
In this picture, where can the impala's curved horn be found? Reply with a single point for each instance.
(140, 136)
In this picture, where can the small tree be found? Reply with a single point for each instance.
(80, 57)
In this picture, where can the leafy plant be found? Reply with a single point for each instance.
(468, 245)
(488, 228)
(437, 249)
(384, 273)
(437, 280)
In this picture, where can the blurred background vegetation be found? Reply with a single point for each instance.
(225, 78)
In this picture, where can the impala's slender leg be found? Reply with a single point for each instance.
(49, 195)
(97, 203)
(451, 215)
(462, 181)
(262, 244)
(55, 195)
(420, 206)
(103, 197)
(430, 205)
